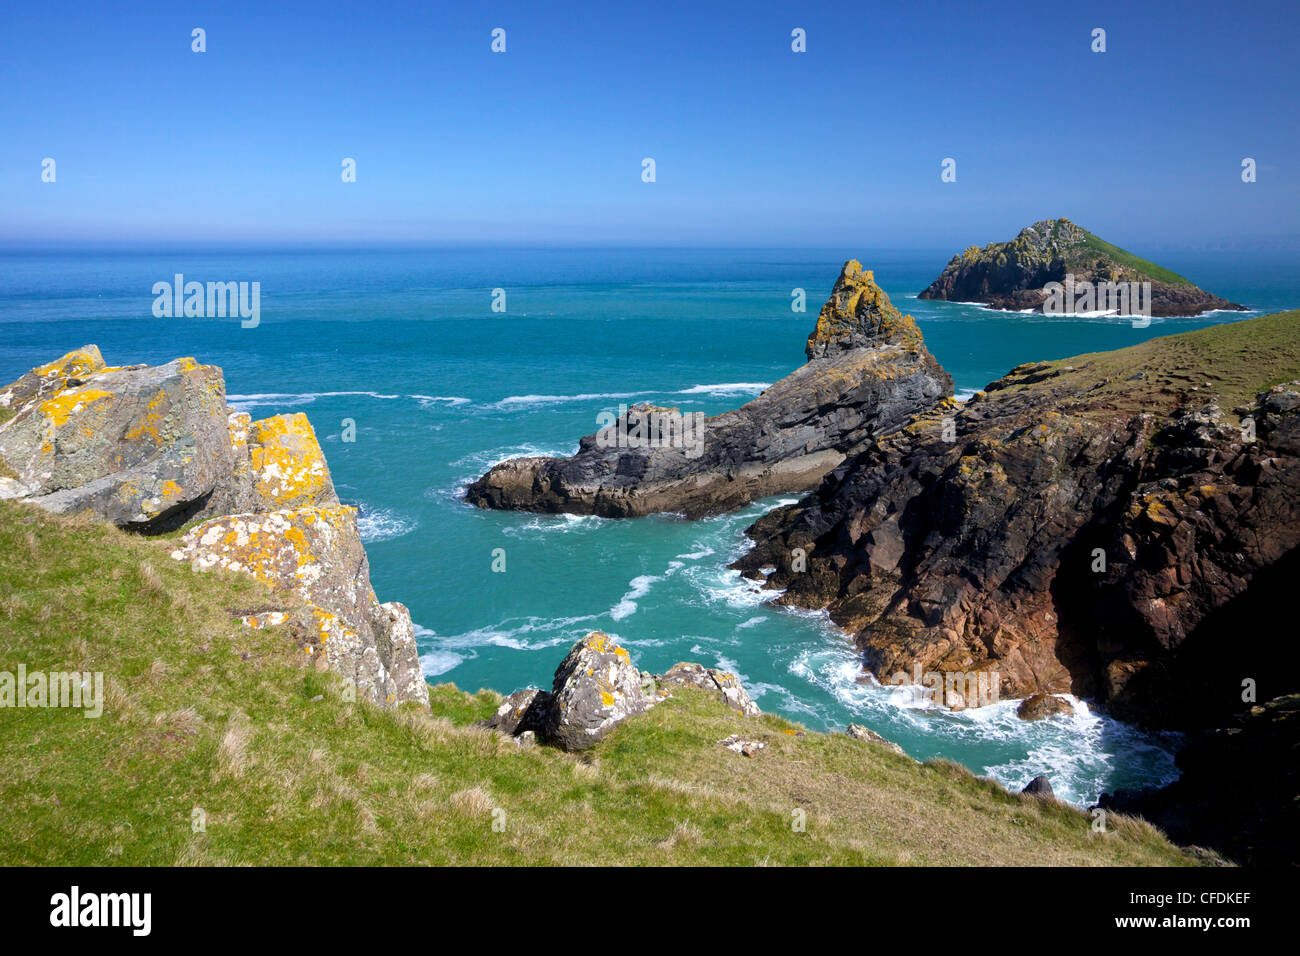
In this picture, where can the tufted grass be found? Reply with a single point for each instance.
(202, 713)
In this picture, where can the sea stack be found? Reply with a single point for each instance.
(868, 372)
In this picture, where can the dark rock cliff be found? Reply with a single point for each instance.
(1095, 525)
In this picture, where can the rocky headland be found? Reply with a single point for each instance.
(868, 373)
(1121, 526)
(155, 449)
(1011, 275)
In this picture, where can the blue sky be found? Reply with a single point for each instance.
(753, 143)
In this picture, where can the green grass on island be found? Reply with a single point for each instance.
(1125, 258)
(204, 714)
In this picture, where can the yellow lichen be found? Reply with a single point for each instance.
(59, 408)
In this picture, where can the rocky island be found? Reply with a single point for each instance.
(1012, 275)
(868, 372)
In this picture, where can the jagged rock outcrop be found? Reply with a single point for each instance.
(1238, 788)
(1095, 526)
(723, 685)
(150, 448)
(146, 447)
(868, 372)
(596, 688)
(521, 712)
(1011, 275)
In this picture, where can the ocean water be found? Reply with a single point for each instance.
(440, 387)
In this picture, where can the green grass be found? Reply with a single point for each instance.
(1228, 364)
(1126, 258)
(202, 712)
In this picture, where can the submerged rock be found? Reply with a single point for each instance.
(868, 372)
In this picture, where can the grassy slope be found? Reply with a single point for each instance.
(1236, 360)
(202, 712)
(1126, 258)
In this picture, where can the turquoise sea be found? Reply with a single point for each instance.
(405, 343)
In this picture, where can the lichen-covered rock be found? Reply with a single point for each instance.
(859, 732)
(316, 555)
(286, 465)
(45, 381)
(1043, 705)
(142, 446)
(521, 712)
(596, 687)
(867, 373)
(725, 686)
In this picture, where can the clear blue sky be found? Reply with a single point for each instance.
(754, 144)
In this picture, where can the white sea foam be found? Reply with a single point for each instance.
(427, 401)
(555, 524)
(726, 388)
(515, 636)
(720, 389)
(245, 402)
(532, 401)
(439, 662)
(380, 524)
(639, 588)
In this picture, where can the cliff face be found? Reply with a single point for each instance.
(1237, 792)
(1096, 525)
(153, 448)
(868, 372)
(1011, 275)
